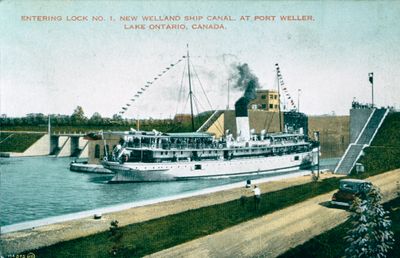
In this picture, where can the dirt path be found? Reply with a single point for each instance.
(16, 242)
(273, 234)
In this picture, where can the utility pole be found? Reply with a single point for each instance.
(371, 80)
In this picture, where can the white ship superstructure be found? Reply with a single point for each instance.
(154, 156)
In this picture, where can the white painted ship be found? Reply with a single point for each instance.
(155, 156)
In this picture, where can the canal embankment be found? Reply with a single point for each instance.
(206, 224)
(274, 234)
(44, 234)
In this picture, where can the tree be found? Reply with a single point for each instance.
(371, 235)
(78, 117)
(96, 119)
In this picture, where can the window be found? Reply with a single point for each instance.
(275, 96)
(197, 167)
(264, 106)
(296, 157)
(263, 96)
(271, 96)
(276, 106)
(271, 106)
(97, 151)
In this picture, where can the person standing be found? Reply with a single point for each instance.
(257, 197)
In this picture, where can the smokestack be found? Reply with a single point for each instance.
(249, 82)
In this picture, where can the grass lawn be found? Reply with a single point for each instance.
(155, 235)
(332, 244)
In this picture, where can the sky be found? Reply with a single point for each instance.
(51, 67)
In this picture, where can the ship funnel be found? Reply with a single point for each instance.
(249, 82)
(242, 119)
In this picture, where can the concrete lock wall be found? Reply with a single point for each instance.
(334, 134)
(230, 121)
(39, 148)
(217, 128)
(74, 145)
(65, 146)
(358, 118)
(258, 120)
(53, 144)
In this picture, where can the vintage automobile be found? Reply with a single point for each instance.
(349, 189)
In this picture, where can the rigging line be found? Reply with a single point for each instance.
(208, 101)
(180, 94)
(218, 124)
(201, 85)
(167, 70)
(197, 108)
(184, 107)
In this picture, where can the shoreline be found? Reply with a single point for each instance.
(125, 206)
(17, 240)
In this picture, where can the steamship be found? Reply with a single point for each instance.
(156, 156)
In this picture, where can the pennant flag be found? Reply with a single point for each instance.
(159, 75)
(147, 86)
(124, 108)
(128, 104)
(155, 78)
(167, 68)
(142, 88)
(172, 64)
(136, 95)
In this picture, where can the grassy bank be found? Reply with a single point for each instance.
(155, 235)
(382, 155)
(17, 142)
(332, 243)
(384, 152)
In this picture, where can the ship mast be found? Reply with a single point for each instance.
(190, 89)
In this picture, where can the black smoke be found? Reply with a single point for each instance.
(247, 81)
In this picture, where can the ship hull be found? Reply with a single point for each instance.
(169, 171)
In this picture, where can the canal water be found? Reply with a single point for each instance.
(41, 187)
